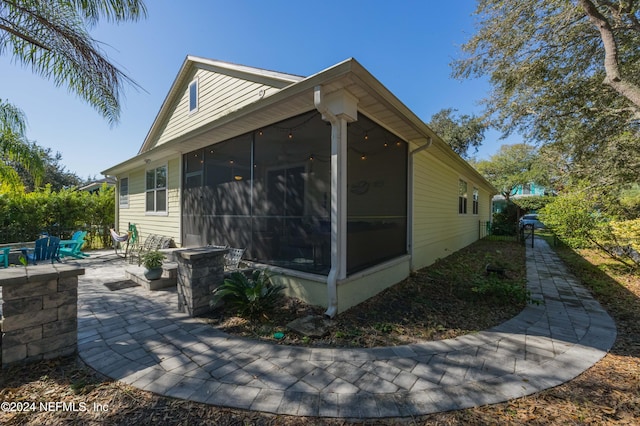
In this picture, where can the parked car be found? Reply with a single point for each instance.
(529, 220)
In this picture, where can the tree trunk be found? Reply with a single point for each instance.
(613, 77)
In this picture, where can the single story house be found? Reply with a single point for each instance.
(329, 179)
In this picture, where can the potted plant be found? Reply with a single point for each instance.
(152, 261)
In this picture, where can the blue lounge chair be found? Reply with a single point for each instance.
(4, 257)
(73, 246)
(45, 249)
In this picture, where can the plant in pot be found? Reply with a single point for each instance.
(152, 261)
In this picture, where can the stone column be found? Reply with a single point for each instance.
(39, 312)
(200, 271)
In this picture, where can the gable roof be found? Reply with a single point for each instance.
(273, 79)
(294, 95)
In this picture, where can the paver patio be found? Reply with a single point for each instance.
(138, 337)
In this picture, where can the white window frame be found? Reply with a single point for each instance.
(194, 83)
(123, 199)
(155, 189)
(464, 197)
(475, 201)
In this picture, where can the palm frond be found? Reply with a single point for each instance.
(12, 118)
(50, 37)
(111, 10)
(13, 149)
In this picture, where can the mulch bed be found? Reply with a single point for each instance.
(608, 393)
(439, 302)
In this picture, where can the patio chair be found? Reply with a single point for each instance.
(46, 248)
(150, 243)
(4, 257)
(231, 258)
(73, 246)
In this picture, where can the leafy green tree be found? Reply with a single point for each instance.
(55, 173)
(565, 73)
(532, 203)
(460, 132)
(630, 202)
(512, 166)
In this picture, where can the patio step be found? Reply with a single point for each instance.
(169, 276)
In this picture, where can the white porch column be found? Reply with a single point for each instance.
(339, 108)
(339, 197)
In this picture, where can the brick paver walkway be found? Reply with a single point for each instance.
(138, 337)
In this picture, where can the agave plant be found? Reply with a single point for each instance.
(249, 296)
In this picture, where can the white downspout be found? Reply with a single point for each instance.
(410, 236)
(337, 205)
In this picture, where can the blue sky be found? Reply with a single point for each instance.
(407, 45)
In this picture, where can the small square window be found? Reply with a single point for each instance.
(193, 96)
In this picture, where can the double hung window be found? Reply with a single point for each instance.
(156, 190)
(462, 197)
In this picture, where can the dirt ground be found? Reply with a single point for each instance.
(608, 393)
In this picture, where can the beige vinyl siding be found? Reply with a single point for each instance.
(438, 229)
(162, 224)
(218, 95)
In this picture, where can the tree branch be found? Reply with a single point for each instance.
(612, 69)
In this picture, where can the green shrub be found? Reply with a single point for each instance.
(506, 221)
(503, 292)
(576, 219)
(23, 216)
(249, 297)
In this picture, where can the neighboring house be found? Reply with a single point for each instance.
(527, 190)
(328, 179)
(96, 185)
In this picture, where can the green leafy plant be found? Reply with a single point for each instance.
(383, 327)
(502, 291)
(152, 259)
(251, 296)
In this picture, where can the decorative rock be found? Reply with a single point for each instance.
(311, 325)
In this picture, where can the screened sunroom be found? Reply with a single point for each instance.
(269, 191)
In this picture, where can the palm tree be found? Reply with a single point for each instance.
(51, 37)
(14, 148)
